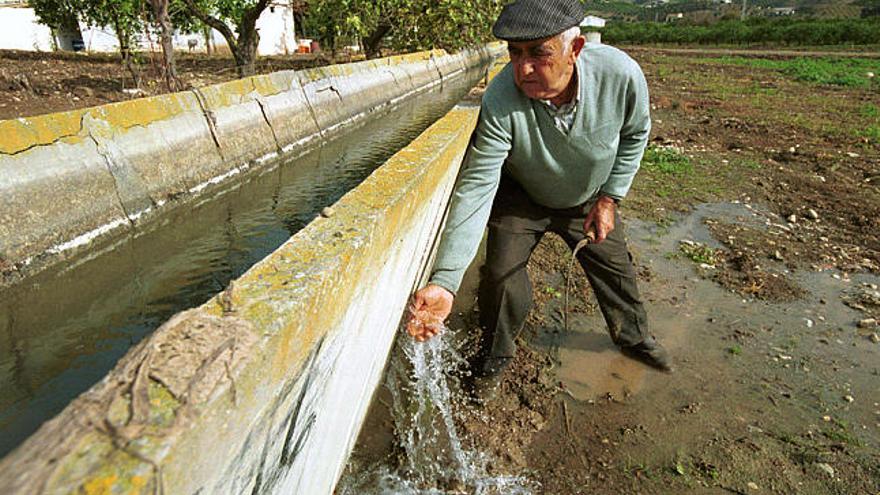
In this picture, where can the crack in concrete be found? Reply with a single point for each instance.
(108, 161)
(311, 110)
(211, 120)
(50, 143)
(268, 123)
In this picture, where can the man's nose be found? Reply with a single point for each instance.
(525, 68)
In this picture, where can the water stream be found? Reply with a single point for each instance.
(63, 330)
(433, 457)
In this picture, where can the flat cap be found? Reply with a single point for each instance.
(526, 20)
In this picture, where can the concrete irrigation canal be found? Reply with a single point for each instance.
(116, 218)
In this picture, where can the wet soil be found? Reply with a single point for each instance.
(759, 266)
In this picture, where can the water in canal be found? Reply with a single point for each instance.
(63, 330)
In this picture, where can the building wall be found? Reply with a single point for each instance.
(21, 30)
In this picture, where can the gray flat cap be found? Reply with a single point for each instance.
(526, 20)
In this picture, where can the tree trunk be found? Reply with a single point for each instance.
(245, 51)
(209, 40)
(374, 40)
(166, 30)
(243, 47)
(125, 52)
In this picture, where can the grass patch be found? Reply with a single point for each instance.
(849, 72)
(667, 161)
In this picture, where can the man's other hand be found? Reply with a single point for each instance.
(430, 307)
(601, 218)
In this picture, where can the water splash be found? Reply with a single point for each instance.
(433, 459)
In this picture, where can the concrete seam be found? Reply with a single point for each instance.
(108, 162)
(437, 67)
(268, 123)
(311, 110)
(210, 119)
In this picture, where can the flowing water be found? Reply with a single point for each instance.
(63, 330)
(433, 457)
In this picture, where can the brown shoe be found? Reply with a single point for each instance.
(649, 352)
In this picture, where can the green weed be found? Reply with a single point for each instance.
(666, 161)
(735, 350)
(850, 72)
(870, 111)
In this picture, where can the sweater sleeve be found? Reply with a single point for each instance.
(472, 197)
(633, 137)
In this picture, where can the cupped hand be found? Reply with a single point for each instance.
(430, 307)
(601, 218)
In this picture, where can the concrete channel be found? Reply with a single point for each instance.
(263, 388)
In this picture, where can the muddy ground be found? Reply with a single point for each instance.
(759, 260)
(34, 83)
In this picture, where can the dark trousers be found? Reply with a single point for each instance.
(516, 226)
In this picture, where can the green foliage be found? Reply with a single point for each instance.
(814, 32)
(851, 72)
(666, 160)
(401, 25)
(871, 111)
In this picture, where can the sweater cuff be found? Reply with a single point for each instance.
(447, 280)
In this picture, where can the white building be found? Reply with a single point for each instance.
(590, 27)
(20, 30)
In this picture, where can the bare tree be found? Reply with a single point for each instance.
(166, 33)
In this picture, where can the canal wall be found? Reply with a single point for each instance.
(72, 179)
(262, 389)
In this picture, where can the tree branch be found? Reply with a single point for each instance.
(213, 22)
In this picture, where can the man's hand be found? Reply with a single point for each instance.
(601, 218)
(430, 307)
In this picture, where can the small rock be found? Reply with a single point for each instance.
(826, 419)
(792, 218)
(852, 155)
(328, 212)
(849, 398)
(813, 214)
(825, 468)
(869, 75)
(784, 357)
(809, 322)
(752, 485)
(874, 338)
(868, 323)
(778, 256)
(687, 242)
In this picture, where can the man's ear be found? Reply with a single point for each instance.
(577, 46)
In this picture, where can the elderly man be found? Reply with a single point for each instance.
(560, 136)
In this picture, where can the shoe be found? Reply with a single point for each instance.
(649, 352)
(486, 388)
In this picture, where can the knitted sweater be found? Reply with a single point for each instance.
(599, 155)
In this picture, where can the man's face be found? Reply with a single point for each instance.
(542, 68)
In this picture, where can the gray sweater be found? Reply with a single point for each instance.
(600, 154)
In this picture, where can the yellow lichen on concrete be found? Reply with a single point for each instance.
(134, 113)
(17, 135)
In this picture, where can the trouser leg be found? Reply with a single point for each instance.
(610, 271)
(505, 294)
